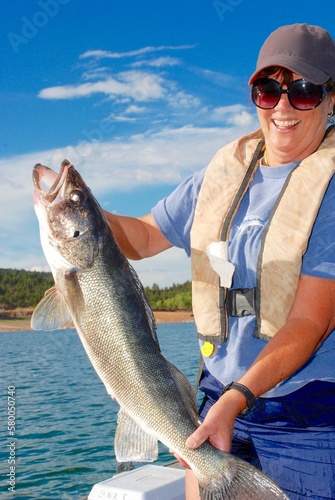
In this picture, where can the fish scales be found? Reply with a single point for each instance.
(144, 387)
(96, 287)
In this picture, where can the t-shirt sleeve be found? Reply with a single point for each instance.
(174, 214)
(319, 259)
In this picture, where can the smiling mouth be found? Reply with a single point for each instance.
(286, 123)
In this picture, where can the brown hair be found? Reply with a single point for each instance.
(277, 71)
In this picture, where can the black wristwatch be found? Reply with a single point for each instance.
(251, 400)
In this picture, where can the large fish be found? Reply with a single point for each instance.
(98, 290)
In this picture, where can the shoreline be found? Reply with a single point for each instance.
(20, 325)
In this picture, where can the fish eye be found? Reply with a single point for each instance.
(77, 197)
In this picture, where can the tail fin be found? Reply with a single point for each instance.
(243, 482)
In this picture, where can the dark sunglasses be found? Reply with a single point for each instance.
(302, 94)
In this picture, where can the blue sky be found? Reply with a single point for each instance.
(136, 94)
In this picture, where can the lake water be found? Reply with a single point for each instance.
(64, 419)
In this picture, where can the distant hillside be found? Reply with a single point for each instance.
(20, 288)
(24, 289)
(174, 298)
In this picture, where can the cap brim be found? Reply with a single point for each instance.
(308, 72)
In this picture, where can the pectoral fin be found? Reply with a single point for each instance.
(132, 443)
(51, 313)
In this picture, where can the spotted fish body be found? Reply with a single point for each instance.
(98, 290)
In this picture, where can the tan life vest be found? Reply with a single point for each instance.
(285, 238)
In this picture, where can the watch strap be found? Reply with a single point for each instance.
(249, 396)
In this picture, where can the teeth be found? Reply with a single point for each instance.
(285, 123)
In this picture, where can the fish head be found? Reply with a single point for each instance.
(72, 224)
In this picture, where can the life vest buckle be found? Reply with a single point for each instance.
(241, 301)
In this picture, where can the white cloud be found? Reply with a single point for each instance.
(163, 157)
(159, 62)
(242, 119)
(134, 109)
(222, 112)
(108, 86)
(122, 118)
(183, 100)
(106, 54)
(171, 266)
(138, 85)
(236, 115)
(96, 73)
(131, 114)
(219, 79)
(143, 86)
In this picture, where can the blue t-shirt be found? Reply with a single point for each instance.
(174, 216)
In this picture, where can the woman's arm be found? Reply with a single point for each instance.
(311, 320)
(137, 238)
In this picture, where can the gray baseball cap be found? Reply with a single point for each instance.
(302, 48)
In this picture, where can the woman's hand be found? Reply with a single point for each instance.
(217, 428)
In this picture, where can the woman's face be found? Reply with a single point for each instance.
(290, 134)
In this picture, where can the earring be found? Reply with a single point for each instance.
(331, 113)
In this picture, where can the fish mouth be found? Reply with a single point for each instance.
(49, 186)
(50, 191)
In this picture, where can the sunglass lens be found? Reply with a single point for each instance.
(304, 95)
(265, 93)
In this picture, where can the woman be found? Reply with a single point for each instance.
(266, 318)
